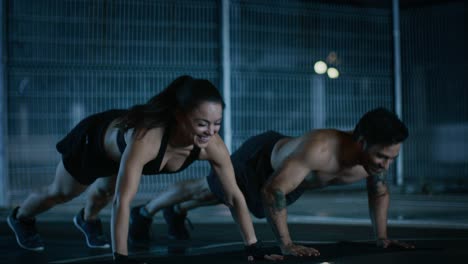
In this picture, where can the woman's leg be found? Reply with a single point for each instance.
(22, 219)
(87, 221)
(99, 195)
(63, 188)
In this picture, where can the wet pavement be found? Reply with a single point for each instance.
(336, 224)
(213, 243)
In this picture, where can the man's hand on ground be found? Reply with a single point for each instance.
(388, 243)
(299, 251)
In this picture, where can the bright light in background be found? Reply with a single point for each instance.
(320, 67)
(329, 65)
(333, 73)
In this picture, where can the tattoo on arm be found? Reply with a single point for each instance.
(380, 178)
(279, 200)
(275, 203)
(377, 183)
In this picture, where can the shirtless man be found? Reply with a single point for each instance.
(273, 170)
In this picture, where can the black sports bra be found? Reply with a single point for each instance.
(153, 166)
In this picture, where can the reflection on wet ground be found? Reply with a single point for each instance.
(336, 224)
(212, 243)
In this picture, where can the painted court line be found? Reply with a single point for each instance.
(77, 260)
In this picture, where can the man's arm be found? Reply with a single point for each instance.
(379, 200)
(274, 199)
(287, 178)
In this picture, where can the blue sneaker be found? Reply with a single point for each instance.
(176, 222)
(25, 232)
(140, 226)
(92, 231)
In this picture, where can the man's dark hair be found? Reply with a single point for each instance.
(380, 126)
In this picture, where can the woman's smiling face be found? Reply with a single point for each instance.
(203, 122)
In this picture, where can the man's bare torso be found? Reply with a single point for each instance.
(333, 172)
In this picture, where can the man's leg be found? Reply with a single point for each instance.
(195, 192)
(184, 207)
(176, 215)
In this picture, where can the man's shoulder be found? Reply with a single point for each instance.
(320, 140)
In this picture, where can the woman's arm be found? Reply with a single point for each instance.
(218, 155)
(138, 152)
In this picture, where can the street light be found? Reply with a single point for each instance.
(320, 67)
(333, 73)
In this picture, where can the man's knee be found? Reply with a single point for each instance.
(198, 190)
(206, 197)
(104, 193)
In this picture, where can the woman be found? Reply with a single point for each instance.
(111, 150)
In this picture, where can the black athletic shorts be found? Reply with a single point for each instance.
(252, 166)
(82, 149)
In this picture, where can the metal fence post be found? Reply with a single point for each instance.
(226, 72)
(397, 83)
(4, 198)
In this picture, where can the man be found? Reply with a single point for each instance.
(273, 170)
